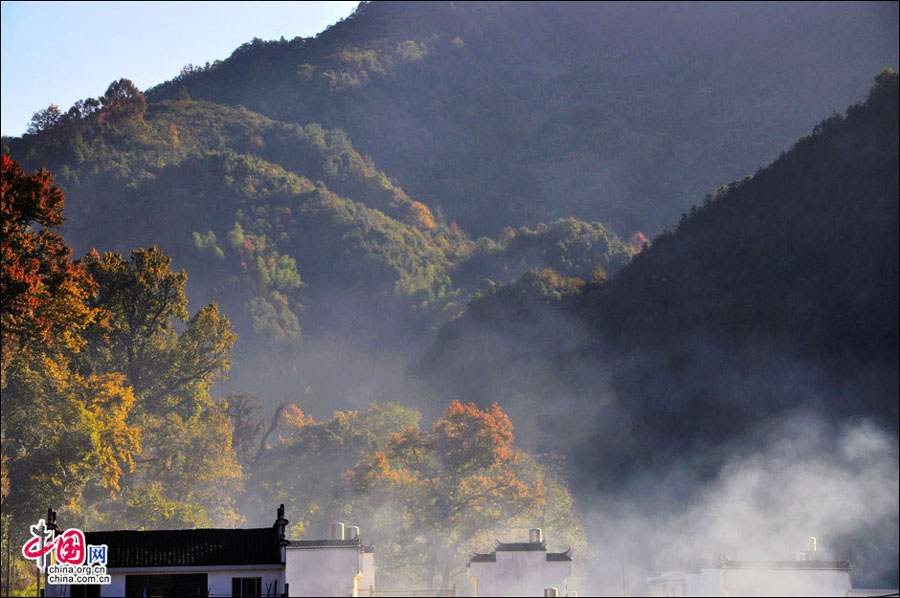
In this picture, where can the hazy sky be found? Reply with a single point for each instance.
(61, 52)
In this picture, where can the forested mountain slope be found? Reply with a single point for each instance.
(340, 185)
(288, 227)
(510, 113)
(778, 293)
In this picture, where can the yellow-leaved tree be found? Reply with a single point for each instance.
(187, 473)
(453, 489)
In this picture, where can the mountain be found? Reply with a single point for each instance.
(778, 294)
(334, 189)
(364, 167)
(506, 114)
(289, 228)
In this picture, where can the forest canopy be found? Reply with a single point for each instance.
(131, 435)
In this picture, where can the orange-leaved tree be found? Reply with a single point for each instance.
(43, 291)
(452, 483)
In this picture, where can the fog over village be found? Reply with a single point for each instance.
(464, 299)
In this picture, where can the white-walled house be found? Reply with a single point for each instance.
(322, 567)
(195, 562)
(229, 562)
(805, 575)
(520, 569)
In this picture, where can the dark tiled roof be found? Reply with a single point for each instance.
(560, 556)
(354, 543)
(189, 547)
(491, 557)
(839, 565)
(518, 546)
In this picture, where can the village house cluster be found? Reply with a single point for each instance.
(253, 563)
(262, 562)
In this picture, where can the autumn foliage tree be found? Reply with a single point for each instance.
(453, 483)
(106, 383)
(43, 290)
(187, 471)
(63, 430)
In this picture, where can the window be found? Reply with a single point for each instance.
(89, 591)
(186, 585)
(246, 587)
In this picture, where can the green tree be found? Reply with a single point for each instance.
(187, 472)
(123, 100)
(44, 119)
(146, 303)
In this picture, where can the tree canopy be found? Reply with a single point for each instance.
(43, 290)
(455, 486)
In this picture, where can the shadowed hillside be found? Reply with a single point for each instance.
(778, 293)
(509, 113)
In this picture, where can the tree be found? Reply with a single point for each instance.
(301, 461)
(44, 119)
(43, 291)
(420, 216)
(63, 430)
(452, 483)
(123, 100)
(83, 109)
(246, 428)
(145, 300)
(67, 432)
(188, 472)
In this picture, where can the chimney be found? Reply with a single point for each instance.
(280, 521)
(279, 525)
(51, 521)
(535, 535)
(353, 532)
(551, 593)
(337, 530)
(811, 547)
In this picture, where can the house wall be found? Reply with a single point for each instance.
(756, 582)
(799, 582)
(660, 589)
(367, 560)
(322, 571)
(272, 581)
(520, 573)
(218, 578)
(310, 572)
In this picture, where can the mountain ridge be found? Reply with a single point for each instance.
(532, 112)
(777, 294)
